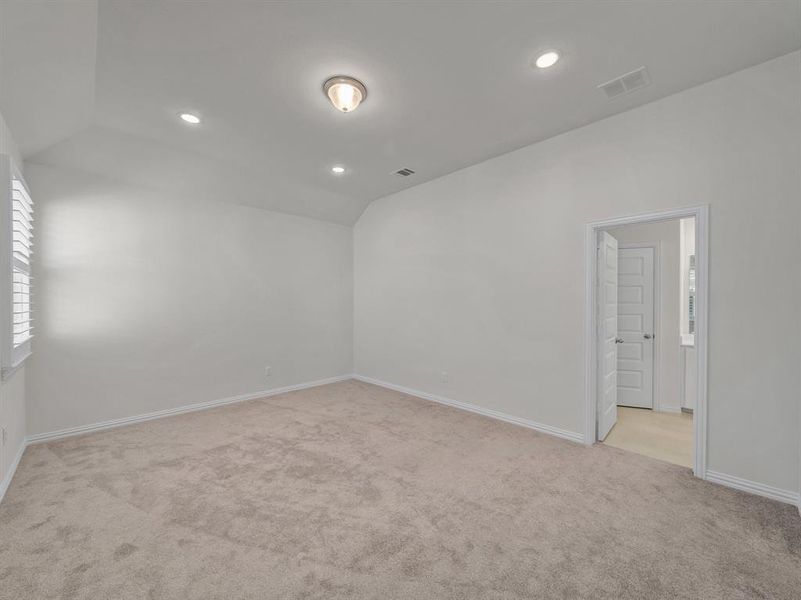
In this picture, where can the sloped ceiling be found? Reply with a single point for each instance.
(47, 70)
(450, 84)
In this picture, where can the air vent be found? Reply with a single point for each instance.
(626, 83)
(404, 172)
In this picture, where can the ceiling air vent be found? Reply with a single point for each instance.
(626, 83)
(404, 172)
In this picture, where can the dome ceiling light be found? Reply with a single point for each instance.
(345, 93)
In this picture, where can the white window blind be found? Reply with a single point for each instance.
(21, 246)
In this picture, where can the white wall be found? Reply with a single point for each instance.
(669, 381)
(146, 300)
(690, 361)
(12, 390)
(481, 273)
(8, 145)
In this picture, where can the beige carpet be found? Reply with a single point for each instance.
(660, 435)
(353, 491)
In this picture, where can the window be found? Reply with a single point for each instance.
(22, 243)
(15, 271)
(691, 295)
(688, 283)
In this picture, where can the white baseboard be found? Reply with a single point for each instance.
(760, 489)
(81, 429)
(712, 476)
(487, 412)
(11, 470)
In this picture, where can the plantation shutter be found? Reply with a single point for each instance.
(22, 246)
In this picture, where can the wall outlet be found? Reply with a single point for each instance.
(443, 377)
(4, 436)
(268, 371)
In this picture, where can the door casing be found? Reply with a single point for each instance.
(701, 216)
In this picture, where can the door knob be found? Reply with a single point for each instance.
(618, 340)
(648, 336)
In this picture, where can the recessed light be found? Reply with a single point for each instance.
(345, 93)
(547, 59)
(190, 118)
(338, 170)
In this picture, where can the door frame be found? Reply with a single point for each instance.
(656, 391)
(701, 215)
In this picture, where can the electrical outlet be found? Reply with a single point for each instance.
(443, 377)
(268, 371)
(5, 435)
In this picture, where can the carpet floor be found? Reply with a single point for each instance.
(354, 491)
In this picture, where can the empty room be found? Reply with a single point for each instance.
(488, 300)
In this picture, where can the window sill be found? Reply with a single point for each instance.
(7, 372)
(687, 340)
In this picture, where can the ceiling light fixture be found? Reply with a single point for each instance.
(338, 170)
(345, 93)
(547, 60)
(190, 118)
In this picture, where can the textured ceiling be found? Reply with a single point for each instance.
(450, 84)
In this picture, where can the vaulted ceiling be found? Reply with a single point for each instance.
(98, 87)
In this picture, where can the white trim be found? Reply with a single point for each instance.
(12, 469)
(81, 429)
(701, 215)
(760, 489)
(7, 372)
(487, 412)
(712, 476)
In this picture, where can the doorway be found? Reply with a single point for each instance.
(646, 383)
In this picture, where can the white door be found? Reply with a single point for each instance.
(607, 333)
(635, 326)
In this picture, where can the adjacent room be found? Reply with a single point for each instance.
(406, 300)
